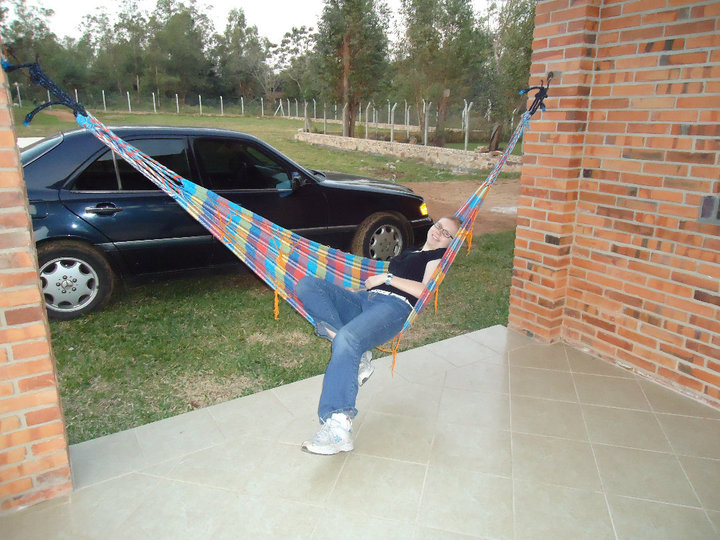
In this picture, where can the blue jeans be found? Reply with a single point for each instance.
(361, 320)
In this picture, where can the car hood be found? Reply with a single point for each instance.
(362, 182)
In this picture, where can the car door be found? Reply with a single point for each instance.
(149, 229)
(253, 176)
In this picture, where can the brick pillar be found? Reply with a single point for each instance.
(34, 460)
(564, 43)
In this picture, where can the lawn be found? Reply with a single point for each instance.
(164, 348)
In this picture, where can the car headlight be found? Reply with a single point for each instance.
(423, 209)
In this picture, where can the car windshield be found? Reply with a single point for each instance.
(31, 153)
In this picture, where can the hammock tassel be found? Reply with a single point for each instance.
(276, 310)
(437, 292)
(469, 238)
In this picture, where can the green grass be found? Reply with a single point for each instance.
(165, 348)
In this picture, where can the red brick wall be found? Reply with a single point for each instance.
(609, 252)
(34, 462)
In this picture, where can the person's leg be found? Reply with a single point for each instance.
(381, 320)
(330, 306)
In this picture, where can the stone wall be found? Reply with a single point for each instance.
(448, 157)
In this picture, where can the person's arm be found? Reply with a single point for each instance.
(409, 286)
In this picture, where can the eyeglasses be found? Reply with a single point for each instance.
(443, 231)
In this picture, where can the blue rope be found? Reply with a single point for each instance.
(38, 77)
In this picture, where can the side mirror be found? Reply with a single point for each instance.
(296, 180)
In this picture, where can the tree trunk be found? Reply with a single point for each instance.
(352, 107)
(442, 114)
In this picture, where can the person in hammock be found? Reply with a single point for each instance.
(355, 321)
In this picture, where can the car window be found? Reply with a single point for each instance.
(112, 173)
(228, 164)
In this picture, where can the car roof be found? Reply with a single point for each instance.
(125, 131)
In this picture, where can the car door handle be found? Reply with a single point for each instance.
(105, 209)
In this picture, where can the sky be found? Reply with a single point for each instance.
(272, 17)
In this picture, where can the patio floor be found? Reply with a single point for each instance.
(487, 435)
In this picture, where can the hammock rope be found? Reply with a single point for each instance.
(277, 255)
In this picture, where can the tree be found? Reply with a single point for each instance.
(513, 50)
(240, 56)
(178, 50)
(352, 52)
(440, 54)
(292, 60)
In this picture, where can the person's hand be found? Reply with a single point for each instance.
(374, 281)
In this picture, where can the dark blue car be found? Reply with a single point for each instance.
(97, 220)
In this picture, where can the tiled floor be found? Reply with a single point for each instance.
(488, 435)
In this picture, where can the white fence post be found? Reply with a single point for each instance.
(262, 107)
(154, 107)
(104, 104)
(314, 109)
(200, 103)
(128, 100)
(427, 122)
(242, 105)
(367, 110)
(392, 123)
(466, 115)
(177, 104)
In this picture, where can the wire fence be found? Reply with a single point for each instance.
(389, 120)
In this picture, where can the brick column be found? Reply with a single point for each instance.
(564, 43)
(34, 460)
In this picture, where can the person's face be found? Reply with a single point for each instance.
(441, 233)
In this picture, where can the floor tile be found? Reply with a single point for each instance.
(542, 383)
(259, 414)
(351, 524)
(500, 339)
(625, 427)
(559, 513)
(479, 377)
(421, 366)
(427, 533)
(175, 510)
(610, 391)
(545, 417)
(472, 448)
(468, 502)
(554, 461)
(636, 519)
(665, 400)
(396, 437)
(691, 436)
(121, 454)
(289, 473)
(582, 362)
(540, 356)
(226, 466)
(177, 436)
(382, 488)
(643, 474)
(461, 350)
(489, 410)
(409, 399)
(704, 475)
(269, 519)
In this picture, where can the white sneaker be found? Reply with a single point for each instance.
(366, 368)
(335, 436)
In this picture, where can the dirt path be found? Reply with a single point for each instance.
(498, 212)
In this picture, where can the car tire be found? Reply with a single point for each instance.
(76, 279)
(381, 236)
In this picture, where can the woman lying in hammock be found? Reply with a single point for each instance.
(356, 321)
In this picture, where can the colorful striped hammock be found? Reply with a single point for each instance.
(277, 255)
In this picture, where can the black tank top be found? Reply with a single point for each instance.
(411, 265)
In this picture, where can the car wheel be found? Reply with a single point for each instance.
(76, 279)
(381, 237)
